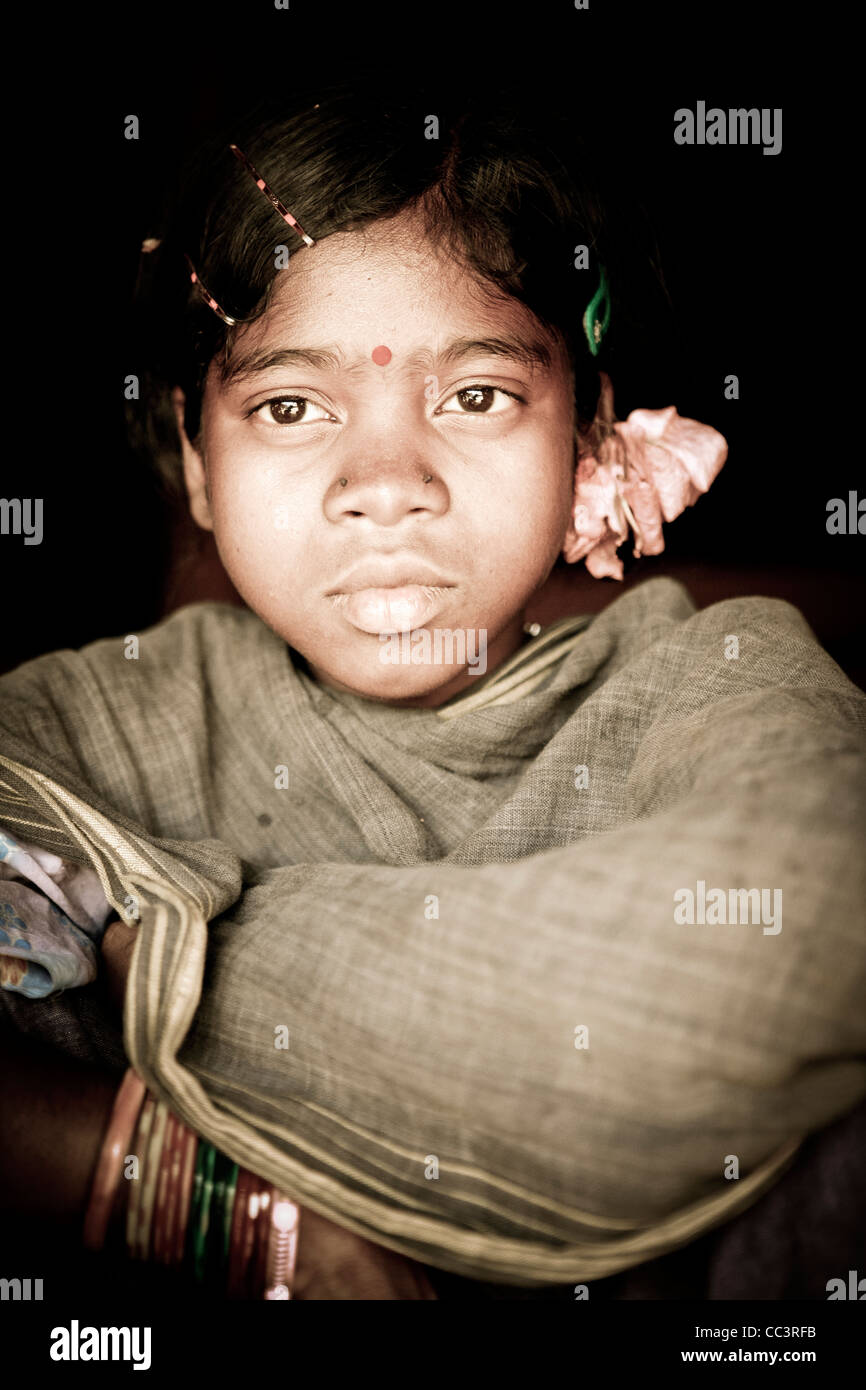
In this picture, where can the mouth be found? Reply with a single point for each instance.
(395, 608)
(389, 593)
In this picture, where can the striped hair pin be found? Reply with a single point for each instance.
(278, 206)
(271, 196)
(207, 296)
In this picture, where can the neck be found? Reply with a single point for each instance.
(509, 641)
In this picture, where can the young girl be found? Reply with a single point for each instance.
(528, 954)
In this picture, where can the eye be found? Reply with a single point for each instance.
(289, 410)
(478, 399)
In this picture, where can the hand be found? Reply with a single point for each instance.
(335, 1264)
(117, 946)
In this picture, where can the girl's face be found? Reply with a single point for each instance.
(381, 362)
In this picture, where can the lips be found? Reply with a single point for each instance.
(398, 609)
(388, 595)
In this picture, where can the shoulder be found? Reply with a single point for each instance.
(123, 711)
(751, 649)
(662, 608)
(175, 655)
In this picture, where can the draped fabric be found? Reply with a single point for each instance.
(535, 987)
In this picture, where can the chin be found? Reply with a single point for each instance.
(398, 683)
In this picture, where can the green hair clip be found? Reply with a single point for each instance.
(595, 326)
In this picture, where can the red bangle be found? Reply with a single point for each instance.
(263, 1231)
(124, 1114)
(265, 1223)
(160, 1205)
(178, 1147)
(235, 1277)
(252, 1226)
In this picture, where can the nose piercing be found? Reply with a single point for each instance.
(429, 478)
(343, 482)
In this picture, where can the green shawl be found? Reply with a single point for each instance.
(425, 969)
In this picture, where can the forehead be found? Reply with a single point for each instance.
(384, 284)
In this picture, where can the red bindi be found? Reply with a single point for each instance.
(381, 356)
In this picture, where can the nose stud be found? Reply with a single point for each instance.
(343, 482)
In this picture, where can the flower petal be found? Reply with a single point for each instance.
(669, 462)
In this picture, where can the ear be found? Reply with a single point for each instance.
(194, 472)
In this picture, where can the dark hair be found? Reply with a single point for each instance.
(494, 188)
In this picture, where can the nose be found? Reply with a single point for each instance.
(386, 494)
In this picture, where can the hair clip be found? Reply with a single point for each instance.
(271, 196)
(281, 209)
(207, 297)
(593, 326)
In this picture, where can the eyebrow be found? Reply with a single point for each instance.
(530, 353)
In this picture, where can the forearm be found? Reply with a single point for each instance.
(54, 1111)
(53, 1116)
(384, 1014)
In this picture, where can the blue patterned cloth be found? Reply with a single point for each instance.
(53, 914)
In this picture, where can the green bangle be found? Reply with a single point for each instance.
(199, 1234)
(214, 1237)
(194, 1207)
(231, 1194)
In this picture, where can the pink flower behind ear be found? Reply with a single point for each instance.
(657, 465)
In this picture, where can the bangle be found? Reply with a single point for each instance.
(234, 1287)
(194, 1205)
(200, 1200)
(282, 1247)
(263, 1228)
(212, 1222)
(156, 1233)
(160, 1205)
(191, 1204)
(202, 1215)
(215, 1260)
(172, 1197)
(188, 1162)
(151, 1174)
(127, 1104)
(248, 1237)
(115, 1234)
(228, 1218)
(142, 1135)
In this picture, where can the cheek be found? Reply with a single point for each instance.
(242, 525)
(251, 514)
(533, 507)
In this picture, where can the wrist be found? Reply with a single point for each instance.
(118, 944)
